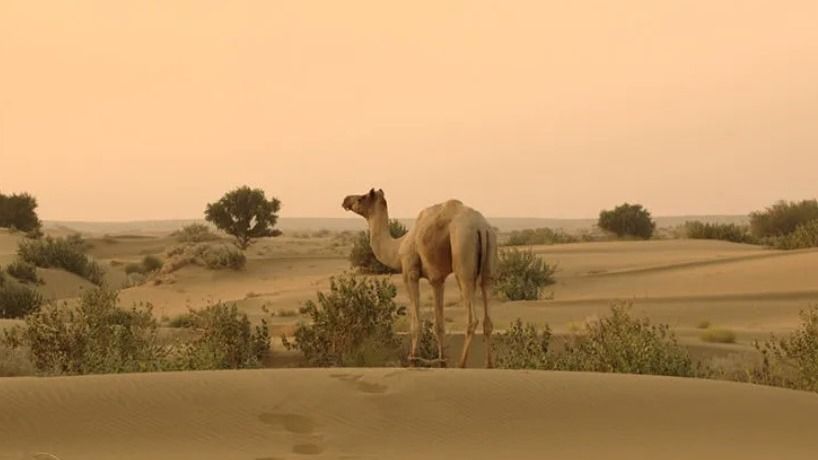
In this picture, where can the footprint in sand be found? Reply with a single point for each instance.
(364, 387)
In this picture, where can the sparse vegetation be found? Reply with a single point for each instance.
(628, 220)
(791, 361)
(804, 236)
(17, 211)
(714, 231)
(523, 346)
(782, 218)
(703, 324)
(17, 299)
(195, 233)
(544, 235)
(351, 325)
(363, 259)
(23, 271)
(521, 275)
(225, 340)
(211, 256)
(246, 214)
(65, 253)
(718, 336)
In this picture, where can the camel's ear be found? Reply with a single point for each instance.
(372, 193)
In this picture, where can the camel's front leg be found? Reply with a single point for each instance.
(440, 325)
(411, 277)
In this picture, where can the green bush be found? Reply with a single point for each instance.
(718, 336)
(529, 237)
(352, 325)
(225, 340)
(623, 344)
(521, 275)
(362, 258)
(194, 233)
(134, 267)
(65, 253)
(627, 220)
(17, 211)
(185, 320)
(791, 361)
(17, 300)
(151, 263)
(23, 271)
(524, 347)
(804, 236)
(245, 214)
(96, 336)
(726, 232)
(221, 257)
(782, 218)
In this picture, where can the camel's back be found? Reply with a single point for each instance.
(446, 213)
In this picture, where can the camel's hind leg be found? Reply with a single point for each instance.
(440, 325)
(467, 292)
(411, 277)
(488, 326)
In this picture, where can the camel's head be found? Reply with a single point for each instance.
(364, 205)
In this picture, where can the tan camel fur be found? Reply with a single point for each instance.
(446, 238)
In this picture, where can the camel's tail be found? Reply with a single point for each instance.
(483, 255)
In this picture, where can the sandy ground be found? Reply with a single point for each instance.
(401, 414)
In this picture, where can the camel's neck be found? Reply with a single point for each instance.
(383, 245)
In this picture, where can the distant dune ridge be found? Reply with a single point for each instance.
(340, 224)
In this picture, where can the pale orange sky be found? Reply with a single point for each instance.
(536, 109)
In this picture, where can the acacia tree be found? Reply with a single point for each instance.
(246, 214)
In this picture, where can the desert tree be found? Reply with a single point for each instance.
(246, 214)
(17, 211)
(631, 220)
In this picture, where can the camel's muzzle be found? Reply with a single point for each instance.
(347, 204)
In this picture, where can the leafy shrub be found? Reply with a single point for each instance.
(543, 235)
(14, 362)
(226, 340)
(194, 233)
(352, 325)
(183, 320)
(151, 263)
(134, 267)
(726, 232)
(782, 218)
(17, 300)
(362, 257)
(65, 253)
(630, 220)
(791, 361)
(524, 347)
(719, 336)
(521, 275)
(804, 236)
(17, 211)
(23, 271)
(623, 344)
(96, 336)
(245, 214)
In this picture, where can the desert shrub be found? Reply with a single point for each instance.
(718, 336)
(17, 300)
(804, 236)
(134, 267)
(23, 271)
(703, 324)
(15, 362)
(791, 361)
(96, 336)
(351, 325)
(65, 253)
(246, 214)
(362, 258)
(727, 232)
(543, 235)
(194, 233)
(218, 257)
(17, 211)
(782, 218)
(212, 256)
(522, 346)
(182, 320)
(627, 220)
(623, 344)
(225, 340)
(151, 263)
(521, 275)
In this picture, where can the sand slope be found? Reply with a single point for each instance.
(401, 413)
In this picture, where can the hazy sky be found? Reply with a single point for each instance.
(137, 110)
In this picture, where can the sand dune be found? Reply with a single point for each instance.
(400, 413)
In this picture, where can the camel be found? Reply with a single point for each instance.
(446, 238)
